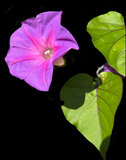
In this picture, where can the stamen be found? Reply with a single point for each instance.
(48, 53)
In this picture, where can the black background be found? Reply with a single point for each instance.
(33, 124)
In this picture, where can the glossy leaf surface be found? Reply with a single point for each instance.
(92, 110)
(108, 32)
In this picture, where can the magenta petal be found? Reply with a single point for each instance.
(32, 29)
(49, 23)
(35, 71)
(65, 38)
(35, 46)
(21, 40)
(21, 61)
(108, 68)
(64, 42)
(41, 76)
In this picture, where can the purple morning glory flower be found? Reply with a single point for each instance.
(108, 68)
(38, 45)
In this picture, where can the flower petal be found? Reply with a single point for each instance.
(21, 40)
(108, 68)
(64, 42)
(49, 23)
(32, 29)
(20, 61)
(28, 44)
(41, 76)
(35, 71)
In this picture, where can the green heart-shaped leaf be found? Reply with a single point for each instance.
(92, 110)
(108, 32)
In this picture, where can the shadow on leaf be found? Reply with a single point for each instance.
(104, 146)
(74, 90)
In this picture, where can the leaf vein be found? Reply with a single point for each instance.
(98, 108)
(105, 102)
(120, 56)
(85, 108)
(108, 81)
(112, 24)
(105, 117)
(115, 42)
(109, 91)
(109, 30)
(108, 33)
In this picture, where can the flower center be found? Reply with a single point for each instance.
(48, 53)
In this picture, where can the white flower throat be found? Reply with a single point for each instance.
(48, 53)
